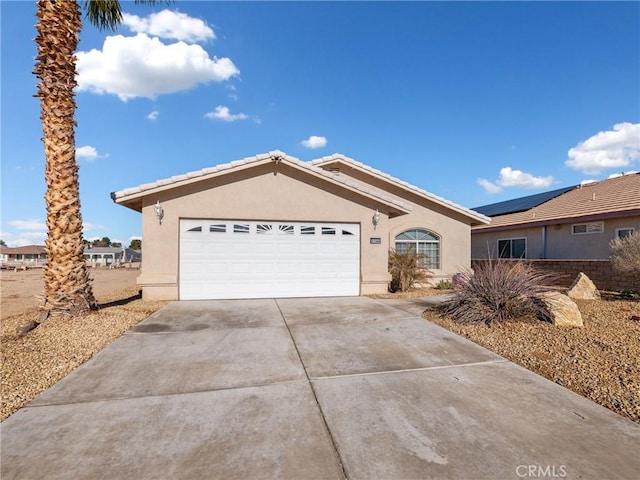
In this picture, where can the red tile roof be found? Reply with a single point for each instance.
(26, 250)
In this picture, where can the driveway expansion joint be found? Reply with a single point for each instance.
(417, 369)
(334, 445)
(167, 394)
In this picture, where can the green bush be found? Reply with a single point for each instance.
(406, 270)
(497, 291)
(445, 285)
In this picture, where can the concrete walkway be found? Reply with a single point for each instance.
(309, 388)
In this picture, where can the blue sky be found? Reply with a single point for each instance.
(476, 102)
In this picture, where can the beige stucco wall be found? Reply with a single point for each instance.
(484, 245)
(273, 192)
(560, 242)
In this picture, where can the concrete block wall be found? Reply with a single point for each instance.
(599, 271)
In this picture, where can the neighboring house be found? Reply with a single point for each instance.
(575, 223)
(110, 256)
(29, 256)
(275, 226)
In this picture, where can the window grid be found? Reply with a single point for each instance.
(422, 242)
(587, 228)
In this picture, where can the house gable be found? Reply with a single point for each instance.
(342, 166)
(271, 162)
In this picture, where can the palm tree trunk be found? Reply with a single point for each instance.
(67, 286)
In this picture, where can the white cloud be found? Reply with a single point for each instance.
(489, 187)
(140, 66)
(616, 175)
(517, 178)
(89, 153)
(36, 233)
(232, 93)
(153, 115)
(170, 25)
(28, 224)
(314, 142)
(134, 237)
(222, 113)
(34, 238)
(88, 227)
(514, 178)
(615, 148)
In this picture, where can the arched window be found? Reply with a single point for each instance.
(422, 242)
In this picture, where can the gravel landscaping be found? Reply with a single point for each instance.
(33, 362)
(598, 361)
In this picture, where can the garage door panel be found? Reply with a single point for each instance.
(240, 259)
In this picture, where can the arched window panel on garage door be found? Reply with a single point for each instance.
(264, 259)
(423, 242)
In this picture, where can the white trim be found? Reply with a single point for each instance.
(618, 230)
(587, 226)
(128, 194)
(337, 157)
(437, 242)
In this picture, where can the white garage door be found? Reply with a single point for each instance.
(240, 259)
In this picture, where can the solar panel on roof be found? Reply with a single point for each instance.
(520, 204)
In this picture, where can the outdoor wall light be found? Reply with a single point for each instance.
(376, 219)
(159, 212)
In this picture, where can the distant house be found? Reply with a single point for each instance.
(573, 223)
(27, 256)
(110, 256)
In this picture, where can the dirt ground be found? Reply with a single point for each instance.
(31, 363)
(20, 290)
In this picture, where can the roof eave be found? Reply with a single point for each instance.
(558, 221)
(132, 197)
(476, 218)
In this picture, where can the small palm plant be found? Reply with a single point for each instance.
(406, 269)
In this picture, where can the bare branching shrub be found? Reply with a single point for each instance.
(406, 270)
(625, 254)
(497, 291)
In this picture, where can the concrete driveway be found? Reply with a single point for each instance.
(309, 388)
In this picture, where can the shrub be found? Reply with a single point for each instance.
(406, 270)
(498, 291)
(445, 285)
(625, 254)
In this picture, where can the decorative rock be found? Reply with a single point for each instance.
(563, 311)
(583, 289)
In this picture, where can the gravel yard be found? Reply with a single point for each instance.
(33, 362)
(598, 361)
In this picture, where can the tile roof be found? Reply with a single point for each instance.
(25, 250)
(205, 173)
(615, 197)
(314, 167)
(88, 250)
(389, 178)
